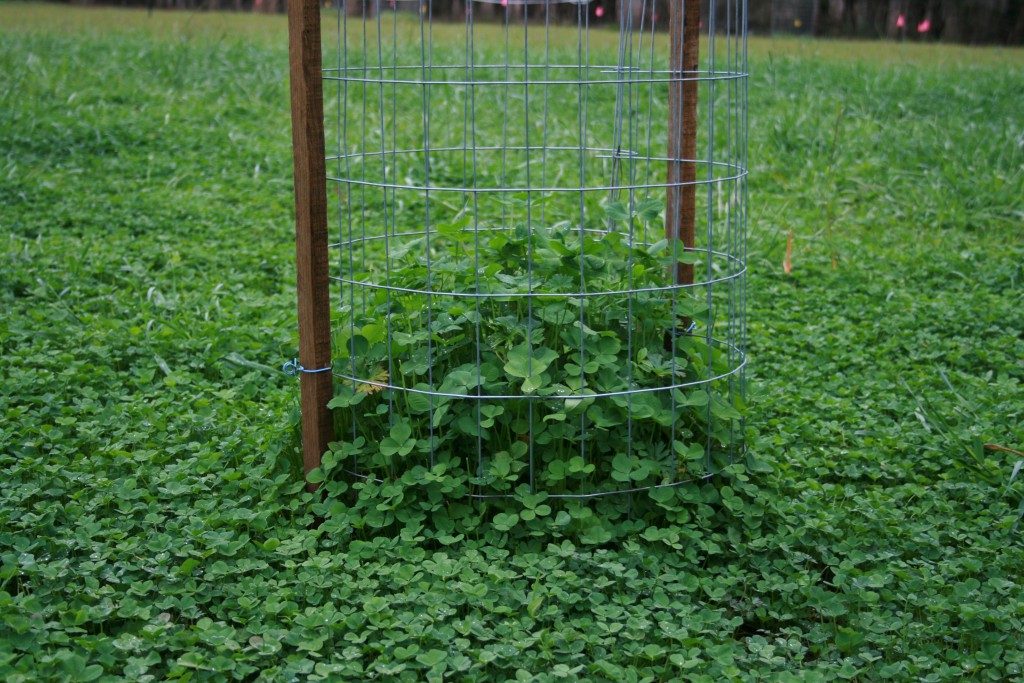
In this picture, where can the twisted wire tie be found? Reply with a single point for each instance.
(293, 368)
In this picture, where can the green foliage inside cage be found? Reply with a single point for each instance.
(436, 361)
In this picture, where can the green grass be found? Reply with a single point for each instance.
(152, 520)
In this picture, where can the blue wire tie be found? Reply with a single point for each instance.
(293, 368)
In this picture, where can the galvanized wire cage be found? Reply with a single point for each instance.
(539, 215)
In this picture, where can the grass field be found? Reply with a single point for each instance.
(153, 522)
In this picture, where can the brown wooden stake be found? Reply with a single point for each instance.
(311, 229)
(684, 56)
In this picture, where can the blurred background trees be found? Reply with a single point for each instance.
(960, 21)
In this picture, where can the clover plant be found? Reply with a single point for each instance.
(557, 393)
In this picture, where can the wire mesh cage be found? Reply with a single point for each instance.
(539, 218)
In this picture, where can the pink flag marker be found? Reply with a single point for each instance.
(900, 21)
(924, 26)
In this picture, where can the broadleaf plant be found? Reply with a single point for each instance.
(522, 379)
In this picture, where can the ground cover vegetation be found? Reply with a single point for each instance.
(153, 523)
(524, 350)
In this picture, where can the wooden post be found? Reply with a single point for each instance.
(311, 229)
(684, 57)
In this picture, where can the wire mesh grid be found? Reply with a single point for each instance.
(513, 297)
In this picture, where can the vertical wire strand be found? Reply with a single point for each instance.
(651, 86)
(649, 153)
(708, 335)
(471, 61)
(583, 58)
(362, 166)
(544, 117)
(728, 187)
(529, 227)
(504, 123)
(426, 64)
(384, 193)
(635, 145)
(394, 114)
(630, 203)
(343, 90)
(732, 66)
(744, 127)
(583, 184)
(672, 185)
